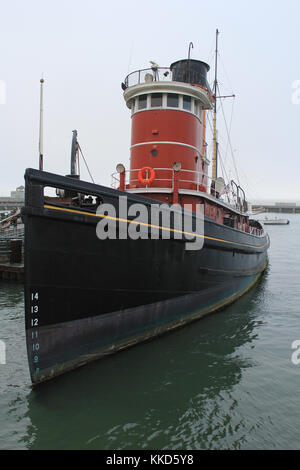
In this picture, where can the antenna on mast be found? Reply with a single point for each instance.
(215, 135)
(41, 157)
(215, 146)
(74, 156)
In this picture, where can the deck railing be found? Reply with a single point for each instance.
(256, 231)
(162, 74)
(154, 74)
(12, 232)
(186, 179)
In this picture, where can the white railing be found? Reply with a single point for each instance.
(17, 232)
(163, 74)
(256, 231)
(196, 180)
(133, 180)
(156, 74)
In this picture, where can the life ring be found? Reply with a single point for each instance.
(150, 179)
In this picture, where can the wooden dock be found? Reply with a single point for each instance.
(279, 208)
(12, 272)
(11, 259)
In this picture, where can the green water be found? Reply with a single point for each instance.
(224, 382)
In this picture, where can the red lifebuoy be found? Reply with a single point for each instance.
(148, 180)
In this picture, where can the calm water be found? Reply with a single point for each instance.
(224, 382)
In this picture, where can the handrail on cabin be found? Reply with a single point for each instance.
(233, 199)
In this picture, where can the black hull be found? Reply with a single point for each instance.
(86, 298)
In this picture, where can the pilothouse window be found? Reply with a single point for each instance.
(156, 100)
(187, 103)
(172, 100)
(142, 101)
(131, 104)
(196, 108)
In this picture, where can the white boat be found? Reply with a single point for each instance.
(275, 221)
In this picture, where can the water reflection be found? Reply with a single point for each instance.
(14, 375)
(11, 295)
(176, 392)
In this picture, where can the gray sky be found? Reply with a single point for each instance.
(85, 48)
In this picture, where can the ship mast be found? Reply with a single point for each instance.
(41, 162)
(215, 145)
(74, 155)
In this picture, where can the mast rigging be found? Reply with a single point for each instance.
(215, 146)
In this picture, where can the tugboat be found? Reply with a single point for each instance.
(103, 273)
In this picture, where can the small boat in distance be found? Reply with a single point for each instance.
(275, 221)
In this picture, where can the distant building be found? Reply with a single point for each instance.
(278, 207)
(14, 201)
(19, 193)
(285, 204)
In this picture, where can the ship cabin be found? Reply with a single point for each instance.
(168, 151)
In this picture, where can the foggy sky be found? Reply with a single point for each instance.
(84, 50)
